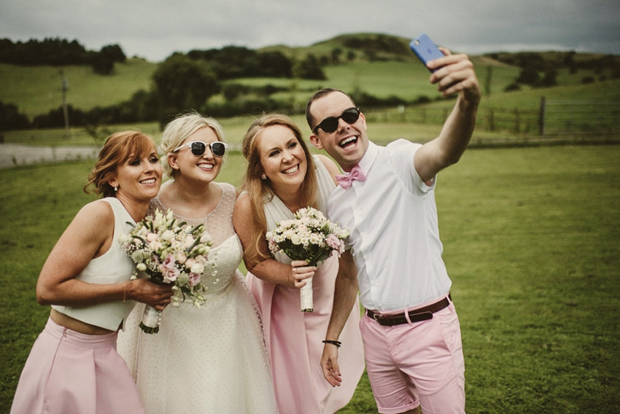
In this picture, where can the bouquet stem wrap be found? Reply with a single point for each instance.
(150, 320)
(307, 302)
(310, 237)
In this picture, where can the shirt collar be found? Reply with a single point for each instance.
(369, 158)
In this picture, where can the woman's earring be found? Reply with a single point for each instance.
(264, 177)
(116, 188)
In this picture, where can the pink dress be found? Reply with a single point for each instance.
(294, 338)
(73, 373)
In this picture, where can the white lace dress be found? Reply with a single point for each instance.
(210, 359)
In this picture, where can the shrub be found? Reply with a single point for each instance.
(103, 64)
(550, 79)
(11, 118)
(529, 76)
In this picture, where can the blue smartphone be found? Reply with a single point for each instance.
(425, 49)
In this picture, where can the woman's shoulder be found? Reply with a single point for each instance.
(227, 187)
(95, 215)
(102, 208)
(243, 202)
(329, 166)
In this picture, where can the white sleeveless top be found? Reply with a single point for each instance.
(114, 266)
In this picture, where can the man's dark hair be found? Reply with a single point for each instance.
(323, 92)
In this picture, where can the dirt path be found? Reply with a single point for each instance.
(12, 155)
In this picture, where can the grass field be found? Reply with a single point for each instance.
(531, 244)
(235, 128)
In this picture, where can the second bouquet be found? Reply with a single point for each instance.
(310, 236)
(169, 252)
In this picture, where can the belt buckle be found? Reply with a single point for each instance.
(376, 316)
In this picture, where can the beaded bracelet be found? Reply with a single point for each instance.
(328, 341)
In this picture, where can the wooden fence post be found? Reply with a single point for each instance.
(541, 116)
(517, 121)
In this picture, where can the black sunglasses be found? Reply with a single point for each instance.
(330, 124)
(218, 148)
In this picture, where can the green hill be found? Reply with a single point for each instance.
(375, 64)
(37, 89)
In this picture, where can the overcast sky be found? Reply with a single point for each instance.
(154, 29)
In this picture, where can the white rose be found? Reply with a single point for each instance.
(197, 268)
(168, 235)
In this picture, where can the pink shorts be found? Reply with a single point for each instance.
(416, 364)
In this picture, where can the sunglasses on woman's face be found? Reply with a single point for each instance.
(198, 148)
(330, 124)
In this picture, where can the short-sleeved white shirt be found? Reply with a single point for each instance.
(394, 238)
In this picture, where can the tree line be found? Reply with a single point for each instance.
(60, 52)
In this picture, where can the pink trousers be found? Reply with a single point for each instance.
(416, 364)
(72, 373)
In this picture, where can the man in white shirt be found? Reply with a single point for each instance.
(386, 200)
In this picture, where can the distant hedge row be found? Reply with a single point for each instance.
(143, 107)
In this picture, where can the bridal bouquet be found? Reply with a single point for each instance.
(311, 237)
(168, 252)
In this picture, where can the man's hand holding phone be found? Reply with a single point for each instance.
(425, 50)
(451, 73)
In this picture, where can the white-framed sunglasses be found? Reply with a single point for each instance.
(198, 148)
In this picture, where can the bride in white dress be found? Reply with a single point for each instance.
(210, 359)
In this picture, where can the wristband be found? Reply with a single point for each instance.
(337, 343)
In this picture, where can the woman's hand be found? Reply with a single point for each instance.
(145, 291)
(300, 271)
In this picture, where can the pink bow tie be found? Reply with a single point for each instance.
(346, 180)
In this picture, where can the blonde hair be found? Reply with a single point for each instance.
(181, 128)
(117, 150)
(260, 190)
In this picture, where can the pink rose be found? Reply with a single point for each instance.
(169, 269)
(194, 279)
(333, 242)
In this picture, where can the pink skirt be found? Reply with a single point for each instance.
(72, 373)
(294, 341)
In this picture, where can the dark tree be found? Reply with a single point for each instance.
(114, 52)
(11, 118)
(529, 76)
(309, 68)
(549, 79)
(232, 62)
(103, 64)
(274, 65)
(336, 55)
(182, 84)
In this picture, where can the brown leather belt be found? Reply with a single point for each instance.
(416, 315)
